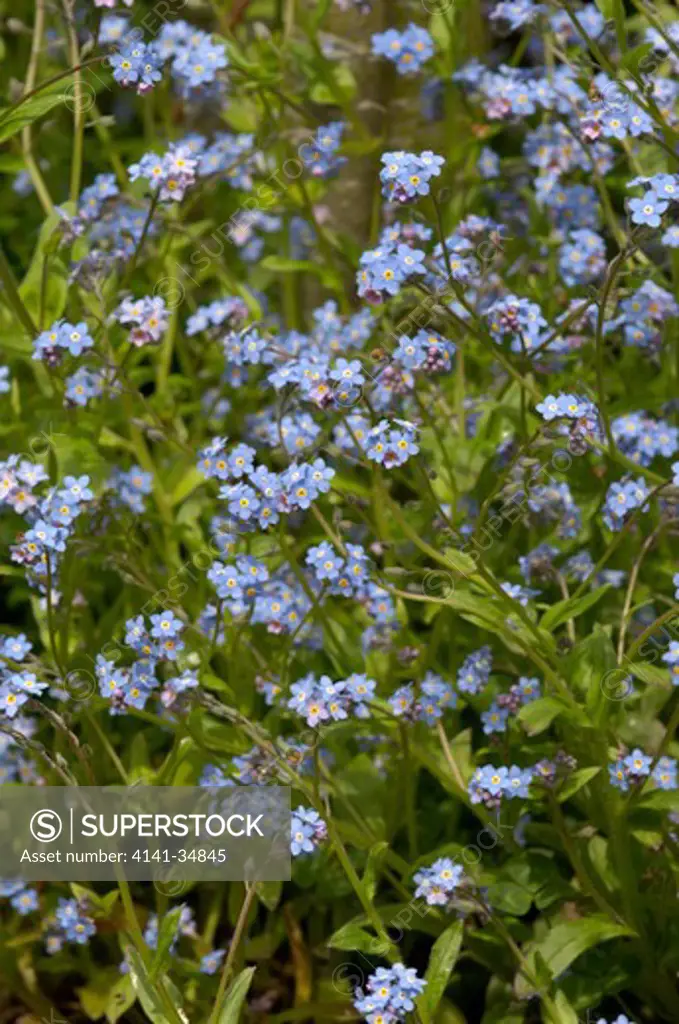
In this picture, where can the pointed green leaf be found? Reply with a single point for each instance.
(562, 611)
(235, 997)
(166, 934)
(12, 121)
(538, 715)
(576, 781)
(353, 936)
(444, 953)
(372, 868)
(147, 993)
(564, 943)
(121, 997)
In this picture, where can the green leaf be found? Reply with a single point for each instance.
(12, 121)
(106, 903)
(11, 164)
(54, 284)
(269, 893)
(442, 958)
(661, 800)
(576, 781)
(633, 57)
(166, 933)
(95, 996)
(598, 851)
(413, 916)
(460, 562)
(510, 898)
(282, 265)
(120, 998)
(99, 904)
(148, 991)
(322, 8)
(192, 479)
(562, 611)
(342, 86)
(372, 868)
(651, 674)
(539, 714)
(606, 7)
(353, 936)
(588, 667)
(567, 1014)
(564, 943)
(235, 997)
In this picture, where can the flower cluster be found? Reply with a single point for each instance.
(72, 923)
(148, 316)
(130, 486)
(169, 176)
(555, 502)
(406, 176)
(391, 446)
(16, 687)
(622, 499)
(519, 320)
(489, 785)
(495, 720)
(322, 700)
(230, 312)
(408, 50)
(267, 495)
(186, 926)
(636, 767)
(320, 155)
(386, 268)
(22, 897)
(641, 438)
(195, 59)
(14, 766)
(307, 831)
(438, 882)
(71, 338)
(474, 672)
(391, 994)
(51, 519)
(425, 703)
(582, 413)
(132, 687)
(137, 65)
(661, 190)
(620, 1019)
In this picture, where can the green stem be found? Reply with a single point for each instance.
(12, 297)
(78, 111)
(239, 931)
(409, 778)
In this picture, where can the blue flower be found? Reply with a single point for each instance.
(25, 902)
(618, 775)
(391, 994)
(348, 372)
(495, 719)
(73, 922)
(211, 962)
(408, 50)
(648, 209)
(166, 624)
(307, 831)
(405, 176)
(474, 673)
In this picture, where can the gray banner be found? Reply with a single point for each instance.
(147, 833)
